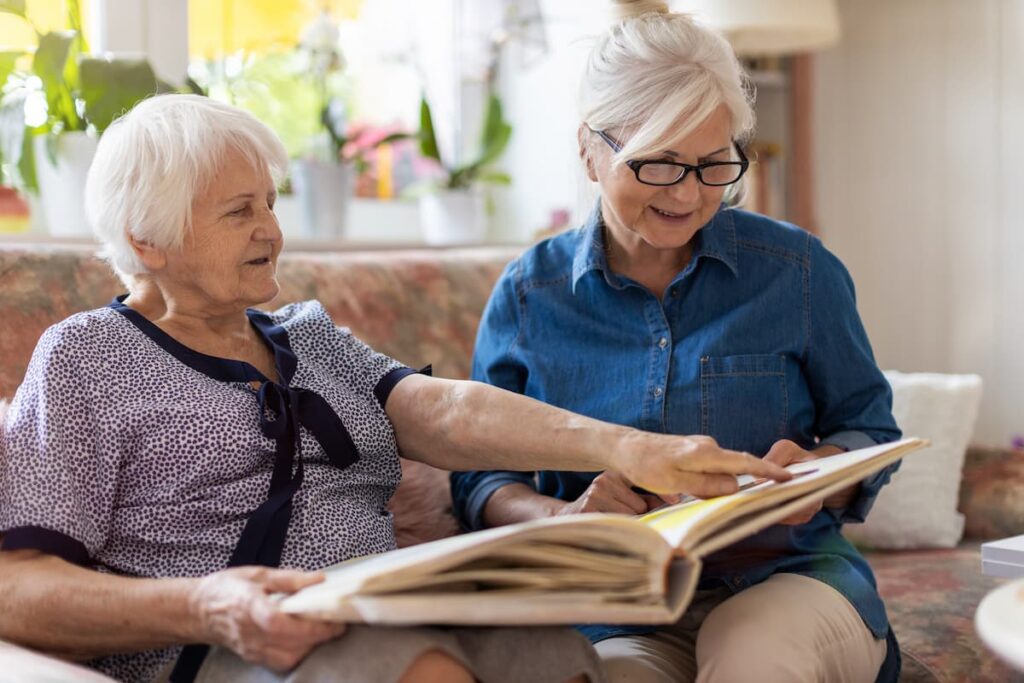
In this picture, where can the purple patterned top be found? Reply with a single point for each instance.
(130, 453)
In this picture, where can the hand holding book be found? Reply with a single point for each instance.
(786, 452)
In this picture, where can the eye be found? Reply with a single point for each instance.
(240, 211)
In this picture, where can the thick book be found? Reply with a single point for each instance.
(577, 569)
(1003, 558)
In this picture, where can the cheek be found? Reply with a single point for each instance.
(627, 195)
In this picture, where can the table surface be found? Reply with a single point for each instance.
(1000, 622)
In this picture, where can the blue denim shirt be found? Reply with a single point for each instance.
(757, 339)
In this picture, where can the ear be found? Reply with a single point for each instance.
(585, 156)
(152, 257)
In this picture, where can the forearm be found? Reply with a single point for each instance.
(459, 425)
(56, 607)
(519, 503)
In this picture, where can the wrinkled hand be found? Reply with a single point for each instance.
(783, 453)
(612, 492)
(233, 609)
(694, 465)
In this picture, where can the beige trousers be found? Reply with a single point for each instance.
(788, 629)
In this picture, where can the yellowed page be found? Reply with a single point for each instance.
(580, 560)
(685, 526)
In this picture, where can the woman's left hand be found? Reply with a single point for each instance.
(784, 453)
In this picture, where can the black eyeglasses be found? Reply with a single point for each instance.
(662, 173)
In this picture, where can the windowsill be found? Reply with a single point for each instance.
(373, 225)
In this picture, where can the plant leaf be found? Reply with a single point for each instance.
(428, 141)
(392, 138)
(194, 88)
(12, 132)
(111, 87)
(8, 62)
(495, 177)
(495, 134)
(16, 7)
(27, 164)
(49, 64)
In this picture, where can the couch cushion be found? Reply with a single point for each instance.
(931, 597)
(918, 509)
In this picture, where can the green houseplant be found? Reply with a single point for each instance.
(57, 100)
(453, 212)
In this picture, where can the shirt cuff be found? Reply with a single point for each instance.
(46, 541)
(474, 517)
(857, 510)
(388, 382)
(849, 440)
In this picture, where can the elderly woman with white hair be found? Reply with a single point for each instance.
(672, 312)
(167, 456)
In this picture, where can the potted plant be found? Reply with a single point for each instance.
(52, 113)
(300, 93)
(454, 212)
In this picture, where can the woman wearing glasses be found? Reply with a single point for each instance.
(670, 311)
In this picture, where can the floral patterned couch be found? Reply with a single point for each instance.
(423, 307)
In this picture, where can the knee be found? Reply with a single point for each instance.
(434, 666)
(730, 651)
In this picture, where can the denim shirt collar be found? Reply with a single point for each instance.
(715, 240)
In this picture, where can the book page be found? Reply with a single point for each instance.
(516, 608)
(686, 524)
(594, 557)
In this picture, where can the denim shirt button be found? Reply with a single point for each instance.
(662, 343)
(657, 391)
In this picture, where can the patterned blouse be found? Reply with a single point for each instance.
(129, 453)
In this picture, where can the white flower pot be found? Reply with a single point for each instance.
(62, 186)
(323, 190)
(453, 217)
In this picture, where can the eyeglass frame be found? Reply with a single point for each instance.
(635, 165)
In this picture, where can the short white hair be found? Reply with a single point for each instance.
(660, 75)
(154, 161)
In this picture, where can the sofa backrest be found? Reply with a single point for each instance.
(418, 306)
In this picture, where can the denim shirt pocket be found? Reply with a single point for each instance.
(744, 400)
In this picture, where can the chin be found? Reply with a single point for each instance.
(265, 294)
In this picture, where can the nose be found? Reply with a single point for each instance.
(686, 190)
(269, 229)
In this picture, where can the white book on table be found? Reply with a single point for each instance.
(1004, 557)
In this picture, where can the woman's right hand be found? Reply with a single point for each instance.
(612, 492)
(233, 609)
(695, 465)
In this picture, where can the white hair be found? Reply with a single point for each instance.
(659, 75)
(154, 161)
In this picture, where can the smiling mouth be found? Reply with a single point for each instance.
(669, 214)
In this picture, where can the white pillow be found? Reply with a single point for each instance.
(918, 508)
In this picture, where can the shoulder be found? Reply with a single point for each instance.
(771, 237)
(767, 236)
(547, 261)
(310, 328)
(83, 334)
(303, 317)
